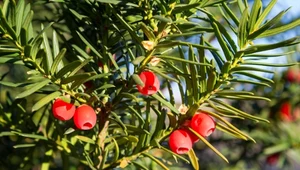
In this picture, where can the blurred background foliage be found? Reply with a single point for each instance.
(277, 143)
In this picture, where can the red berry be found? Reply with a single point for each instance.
(62, 110)
(180, 141)
(293, 75)
(85, 117)
(285, 112)
(194, 138)
(203, 124)
(273, 159)
(187, 124)
(151, 83)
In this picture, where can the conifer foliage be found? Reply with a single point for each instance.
(115, 65)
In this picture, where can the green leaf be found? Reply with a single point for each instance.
(119, 122)
(254, 14)
(228, 21)
(20, 14)
(208, 144)
(237, 111)
(88, 44)
(242, 4)
(265, 13)
(166, 103)
(267, 25)
(229, 126)
(45, 100)
(35, 48)
(183, 60)
(4, 8)
(34, 41)
(203, 70)
(115, 2)
(138, 60)
(55, 43)
(150, 35)
(81, 52)
(129, 96)
(11, 17)
(246, 68)
(135, 129)
(117, 151)
(6, 134)
(160, 123)
(243, 30)
(231, 14)
(85, 139)
(27, 135)
(126, 25)
(244, 97)
(174, 43)
(255, 76)
(250, 82)
(85, 62)
(186, 34)
(162, 74)
(28, 18)
(194, 159)
(13, 60)
(34, 88)
(77, 15)
(265, 47)
(175, 154)
(245, 62)
(229, 131)
(262, 55)
(280, 29)
(106, 86)
(162, 18)
(28, 145)
(68, 131)
(136, 78)
(139, 166)
(232, 92)
(137, 114)
(49, 57)
(9, 50)
(211, 81)
(277, 148)
(76, 77)
(8, 28)
(98, 76)
(68, 68)
(156, 160)
(212, 3)
(57, 60)
(179, 8)
(223, 44)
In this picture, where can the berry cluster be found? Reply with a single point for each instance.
(182, 139)
(84, 116)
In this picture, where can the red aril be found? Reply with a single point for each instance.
(85, 117)
(151, 83)
(62, 110)
(180, 141)
(203, 124)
